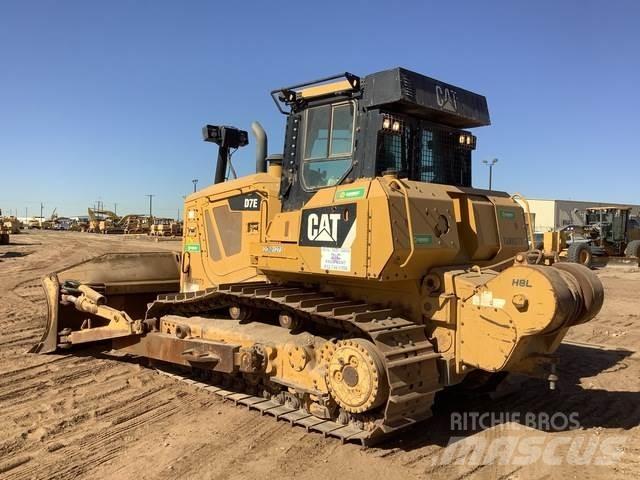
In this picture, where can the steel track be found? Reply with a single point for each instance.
(410, 360)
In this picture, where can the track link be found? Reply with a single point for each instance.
(299, 417)
(410, 360)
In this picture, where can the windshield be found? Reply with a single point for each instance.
(328, 145)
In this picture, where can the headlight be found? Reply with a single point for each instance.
(391, 125)
(467, 140)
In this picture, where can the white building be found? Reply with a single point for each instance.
(551, 215)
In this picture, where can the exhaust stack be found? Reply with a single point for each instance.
(261, 147)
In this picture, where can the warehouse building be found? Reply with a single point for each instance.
(551, 215)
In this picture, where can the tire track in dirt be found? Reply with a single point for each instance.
(61, 415)
(88, 425)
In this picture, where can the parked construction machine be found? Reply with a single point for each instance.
(80, 224)
(50, 223)
(103, 221)
(135, 224)
(350, 279)
(606, 232)
(5, 231)
(11, 224)
(165, 227)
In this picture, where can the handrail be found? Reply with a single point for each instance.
(409, 223)
(517, 196)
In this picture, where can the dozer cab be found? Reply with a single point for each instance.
(350, 279)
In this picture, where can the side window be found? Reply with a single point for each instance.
(328, 145)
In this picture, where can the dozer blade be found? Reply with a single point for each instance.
(125, 282)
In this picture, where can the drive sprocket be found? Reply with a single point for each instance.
(356, 376)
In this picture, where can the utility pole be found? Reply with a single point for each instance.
(41, 209)
(490, 164)
(26, 217)
(150, 195)
(195, 182)
(115, 208)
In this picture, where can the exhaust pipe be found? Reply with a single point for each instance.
(261, 147)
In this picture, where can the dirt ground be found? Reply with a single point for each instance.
(89, 416)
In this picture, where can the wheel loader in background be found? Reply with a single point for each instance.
(350, 279)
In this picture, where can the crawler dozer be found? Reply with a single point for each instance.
(350, 279)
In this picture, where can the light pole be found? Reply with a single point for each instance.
(491, 163)
(195, 182)
(150, 195)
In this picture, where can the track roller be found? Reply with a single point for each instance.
(289, 321)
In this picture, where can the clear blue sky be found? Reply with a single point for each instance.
(105, 100)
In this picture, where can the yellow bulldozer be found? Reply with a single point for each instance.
(350, 279)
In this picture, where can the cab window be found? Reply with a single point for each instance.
(328, 145)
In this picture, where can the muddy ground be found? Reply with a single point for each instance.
(87, 416)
